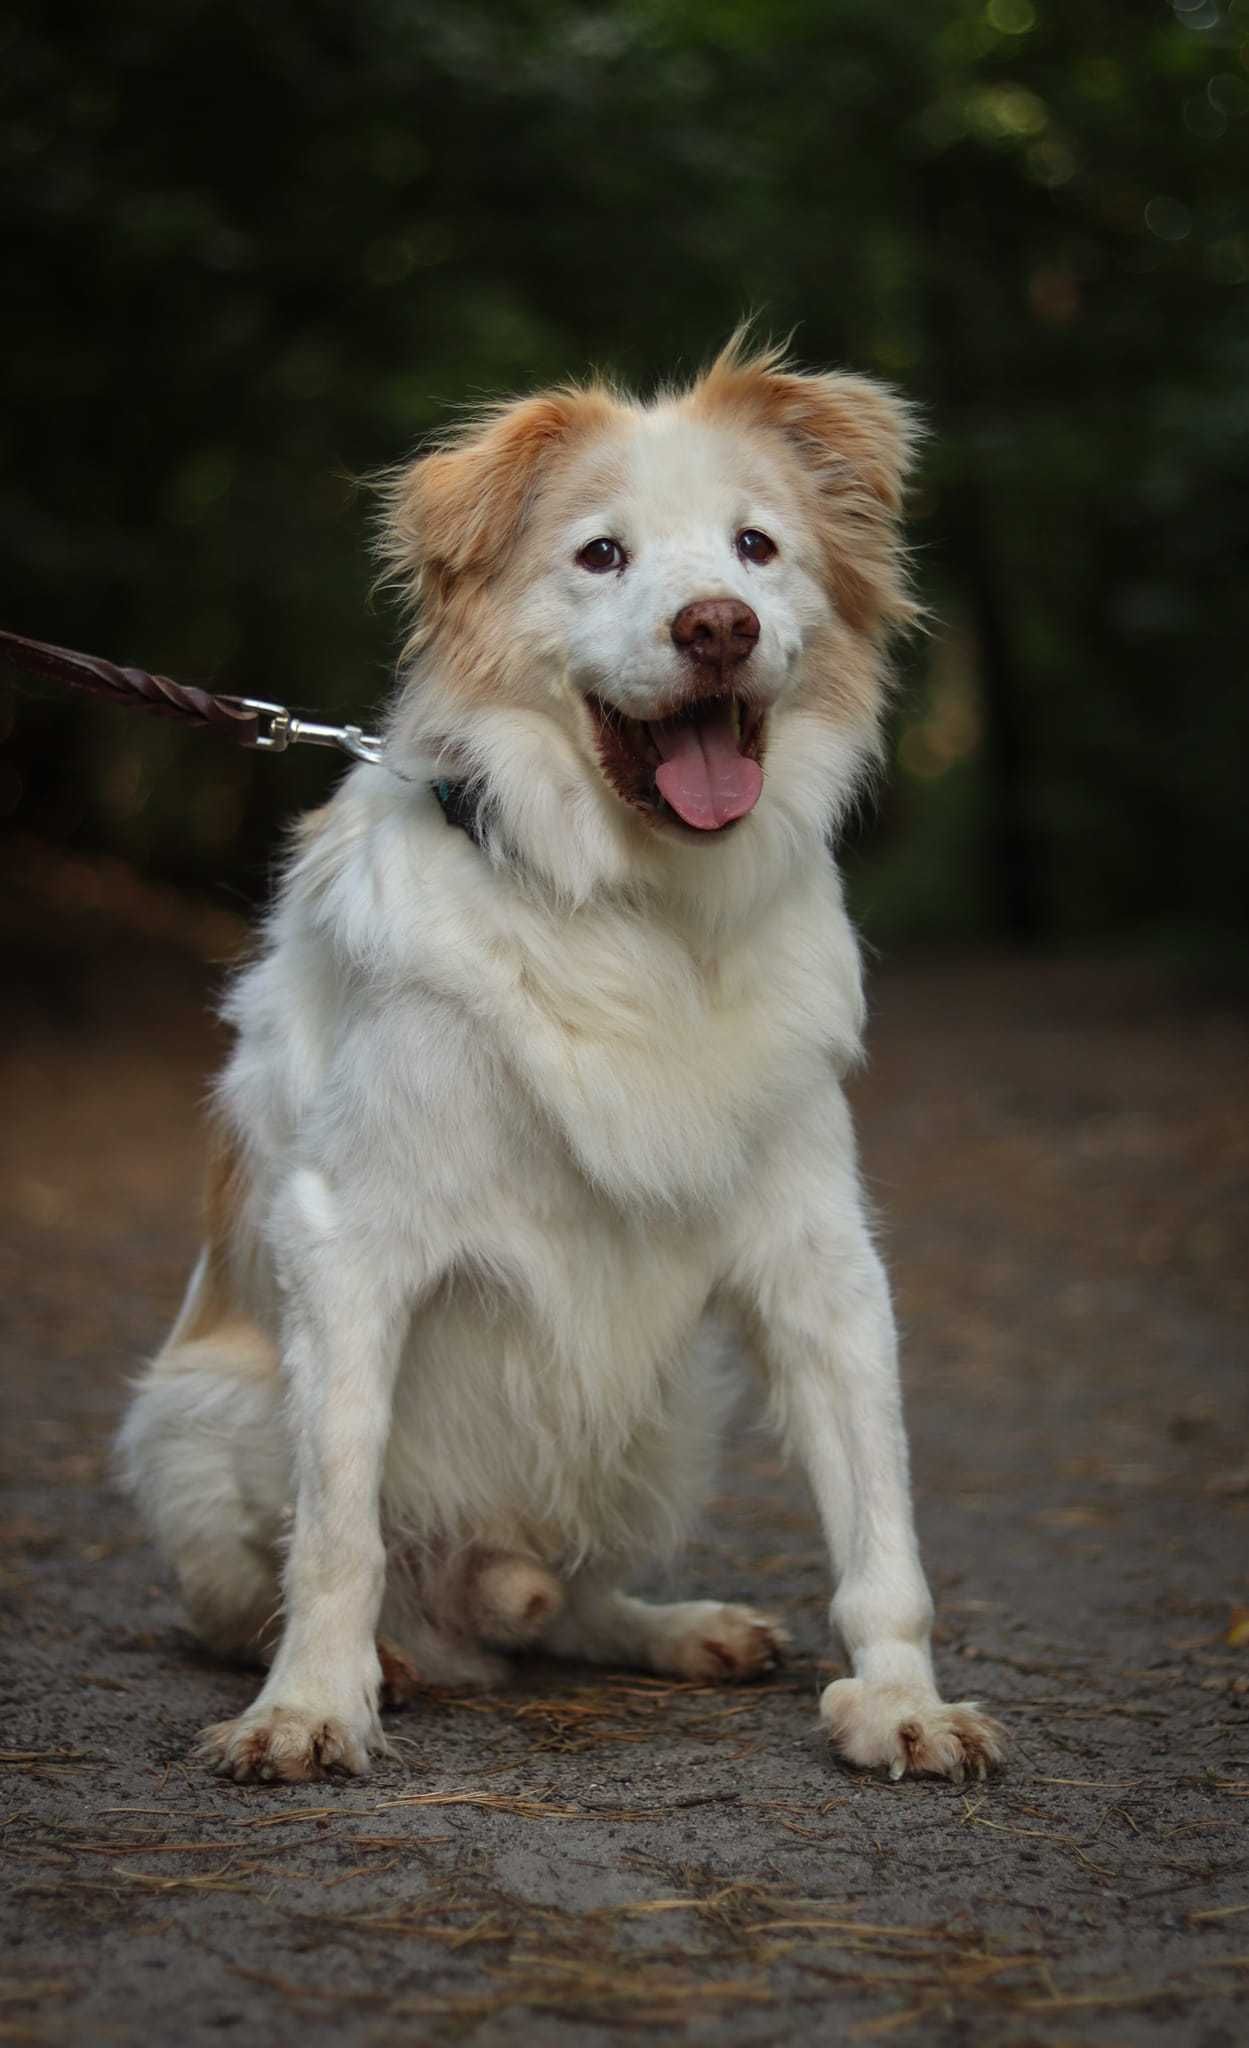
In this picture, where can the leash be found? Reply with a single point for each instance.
(249, 721)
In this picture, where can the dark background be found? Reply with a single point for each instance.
(254, 252)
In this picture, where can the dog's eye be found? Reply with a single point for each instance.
(601, 554)
(754, 546)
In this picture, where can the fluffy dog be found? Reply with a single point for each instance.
(535, 1111)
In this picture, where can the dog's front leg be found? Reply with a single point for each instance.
(818, 1299)
(343, 1334)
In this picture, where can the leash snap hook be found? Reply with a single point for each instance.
(273, 725)
(277, 728)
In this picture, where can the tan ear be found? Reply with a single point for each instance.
(460, 509)
(857, 439)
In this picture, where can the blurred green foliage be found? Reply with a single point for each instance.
(253, 252)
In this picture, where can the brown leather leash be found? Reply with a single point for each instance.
(250, 721)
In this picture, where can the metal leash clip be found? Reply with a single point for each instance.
(283, 729)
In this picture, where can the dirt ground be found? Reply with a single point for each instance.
(1061, 1154)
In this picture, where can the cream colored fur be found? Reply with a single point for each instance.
(525, 1144)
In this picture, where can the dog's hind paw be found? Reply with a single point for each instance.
(286, 1745)
(710, 1639)
(908, 1733)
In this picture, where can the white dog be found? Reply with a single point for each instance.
(536, 1104)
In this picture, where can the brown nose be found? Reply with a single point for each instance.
(716, 632)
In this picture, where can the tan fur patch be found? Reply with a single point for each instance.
(225, 1188)
(456, 512)
(854, 440)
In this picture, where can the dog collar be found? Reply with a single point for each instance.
(461, 808)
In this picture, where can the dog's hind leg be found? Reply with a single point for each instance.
(452, 1613)
(511, 1598)
(204, 1452)
(427, 1638)
(703, 1639)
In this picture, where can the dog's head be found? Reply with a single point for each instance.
(670, 615)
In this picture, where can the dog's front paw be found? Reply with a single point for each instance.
(709, 1639)
(288, 1745)
(907, 1731)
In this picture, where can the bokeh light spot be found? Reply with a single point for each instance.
(1011, 17)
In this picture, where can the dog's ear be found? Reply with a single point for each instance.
(459, 510)
(856, 438)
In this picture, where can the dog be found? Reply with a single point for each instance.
(534, 1121)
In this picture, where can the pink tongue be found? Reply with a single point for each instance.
(704, 775)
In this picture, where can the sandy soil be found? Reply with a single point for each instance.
(1061, 1156)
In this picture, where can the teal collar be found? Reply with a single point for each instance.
(462, 807)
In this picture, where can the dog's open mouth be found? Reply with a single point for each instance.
(700, 765)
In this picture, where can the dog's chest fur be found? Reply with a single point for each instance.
(657, 1061)
(436, 1024)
